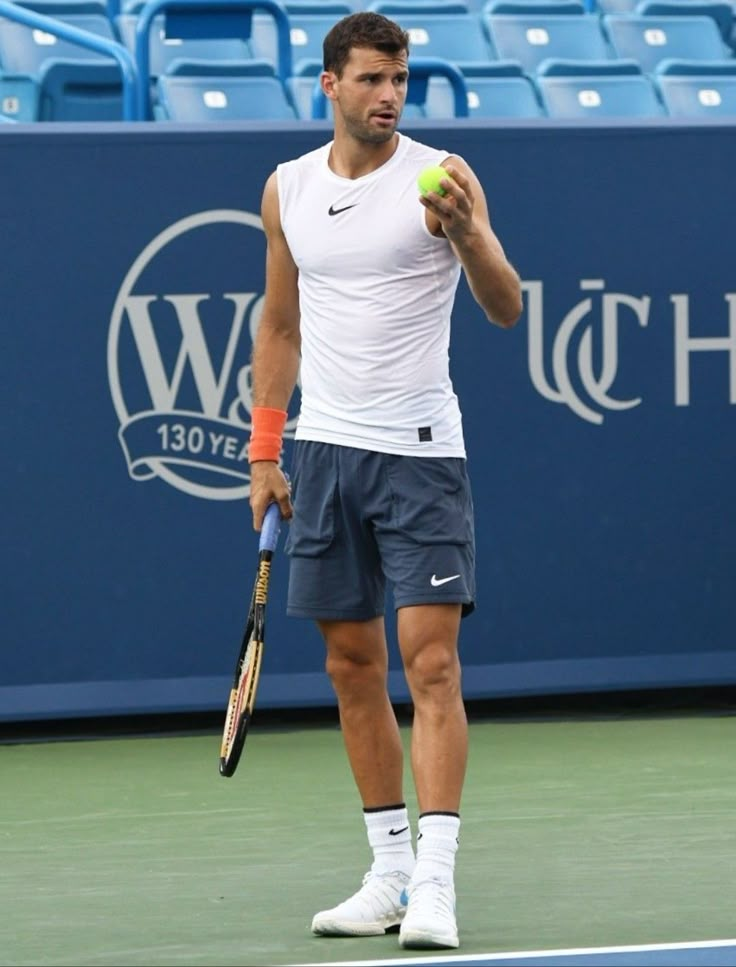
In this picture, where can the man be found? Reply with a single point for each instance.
(361, 273)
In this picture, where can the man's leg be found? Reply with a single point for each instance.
(357, 664)
(428, 636)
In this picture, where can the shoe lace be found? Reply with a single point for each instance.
(379, 890)
(435, 894)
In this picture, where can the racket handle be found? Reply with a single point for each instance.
(270, 529)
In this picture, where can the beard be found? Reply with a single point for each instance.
(362, 130)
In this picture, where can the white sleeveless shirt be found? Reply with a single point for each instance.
(376, 291)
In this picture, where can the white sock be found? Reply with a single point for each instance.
(436, 845)
(389, 836)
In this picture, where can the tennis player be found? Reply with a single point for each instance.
(361, 274)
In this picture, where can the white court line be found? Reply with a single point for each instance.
(519, 954)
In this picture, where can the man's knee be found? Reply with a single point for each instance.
(433, 669)
(356, 655)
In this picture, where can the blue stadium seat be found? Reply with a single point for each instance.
(621, 95)
(24, 50)
(80, 91)
(498, 90)
(651, 40)
(442, 28)
(165, 48)
(531, 39)
(223, 28)
(694, 68)
(615, 6)
(47, 76)
(423, 71)
(708, 92)
(66, 8)
(516, 7)
(19, 97)
(301, 88)
(721, 11)
(308, 26)
(221, 92)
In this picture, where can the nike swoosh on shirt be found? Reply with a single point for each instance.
(436, 582)
(336, 211)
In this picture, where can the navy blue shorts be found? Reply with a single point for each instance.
(363, 520)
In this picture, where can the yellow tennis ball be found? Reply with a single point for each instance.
(429, 179)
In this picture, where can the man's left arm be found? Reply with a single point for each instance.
(463, 218)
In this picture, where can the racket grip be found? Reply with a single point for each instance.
(270, 529)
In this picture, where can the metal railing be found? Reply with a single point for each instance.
(110, 48)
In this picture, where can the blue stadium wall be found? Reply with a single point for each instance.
(600, 430)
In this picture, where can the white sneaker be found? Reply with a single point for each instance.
(430, 916)
(378, 905)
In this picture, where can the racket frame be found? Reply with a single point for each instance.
(241, 701)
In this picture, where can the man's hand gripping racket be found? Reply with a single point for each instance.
(248, 668)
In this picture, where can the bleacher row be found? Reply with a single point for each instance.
(214, 60)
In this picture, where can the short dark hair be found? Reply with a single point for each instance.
(362, 29)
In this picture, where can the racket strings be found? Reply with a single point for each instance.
(243, 692)
(242, 698)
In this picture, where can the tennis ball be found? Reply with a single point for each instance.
(429, 179)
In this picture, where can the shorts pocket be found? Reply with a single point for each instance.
(313, 486)
(431, 499)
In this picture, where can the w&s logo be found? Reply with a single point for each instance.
(179, 361)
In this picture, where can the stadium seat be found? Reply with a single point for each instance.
(440, 28)
(309, 22)
(531, 39)
(615, 6)
(516, 7)
(599, 95)
(721, 11)
(301, 88)
(499, 90)
(23, 50)
(164, 48)
(222, 92)
(19, 97)
(651, 40)
(53, 68)
(709, 93)
(66, 8)
(215, 24)
(80, 91)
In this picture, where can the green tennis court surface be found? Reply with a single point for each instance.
(577, 834)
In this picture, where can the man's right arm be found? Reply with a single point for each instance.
(276, 349)
(277, 343)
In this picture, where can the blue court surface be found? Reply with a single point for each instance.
(711, 953)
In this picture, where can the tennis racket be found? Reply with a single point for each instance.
(248, 668)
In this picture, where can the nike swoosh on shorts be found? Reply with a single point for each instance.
(436, 582)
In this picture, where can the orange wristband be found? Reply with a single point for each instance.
(266, 432)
